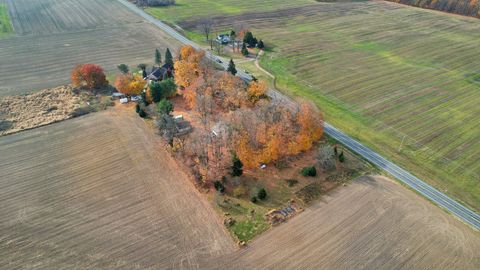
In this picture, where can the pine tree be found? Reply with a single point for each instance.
(231, 67)
(260, 44)
(168, 58)
(244, 49)
(262, 194)
(237, 166)
(158, 57)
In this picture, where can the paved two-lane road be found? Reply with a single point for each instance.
(434, 195)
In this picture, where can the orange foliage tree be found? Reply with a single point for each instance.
(188, 67)
(230, 89)
(275, 132)
(256, 90)
(311, 127)
(129, 84)
(90, 76)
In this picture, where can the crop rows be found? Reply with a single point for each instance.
(41, 56)
(100, 193)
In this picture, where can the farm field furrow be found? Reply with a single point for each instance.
(48, 44)
(399, 79)
(100, 192)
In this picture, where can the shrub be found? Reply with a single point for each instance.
(309, 171)
(219, 186)
(253, 199)
(239, 191)
(341, 157)
(137, 108)
(291, 182)
(142, 114)
(123, 68)
(262, 194)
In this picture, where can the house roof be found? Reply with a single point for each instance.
(158, 73)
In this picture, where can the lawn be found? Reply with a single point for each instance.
(408, 90)
(5, 23)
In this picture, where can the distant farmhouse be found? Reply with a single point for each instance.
(223, 38)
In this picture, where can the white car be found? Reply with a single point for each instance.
(124, 100)
(135, 98)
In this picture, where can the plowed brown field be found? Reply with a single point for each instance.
(53, 36)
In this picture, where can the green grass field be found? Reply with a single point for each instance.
(187, 9)
(6, 27)
(383, 73)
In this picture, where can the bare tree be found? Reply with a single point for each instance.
(205, 27)
(218, 47)
(326, 157)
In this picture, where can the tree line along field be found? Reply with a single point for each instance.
(53, 36)
(383, 80)
(462, 7)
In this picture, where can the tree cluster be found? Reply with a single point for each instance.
(236, 116)
(162, 90)
(271, 132)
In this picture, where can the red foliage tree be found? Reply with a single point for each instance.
(90, 76)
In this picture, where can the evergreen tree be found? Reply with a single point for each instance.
(237, 166)
(262, 194)
(244, 49)
(158, 57)
(260, 44)
(165, 107)
(231, 67)
(249, 39)
(168, 58)
(123, 68)
(156, 92)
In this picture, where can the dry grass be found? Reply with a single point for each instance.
(45, 107)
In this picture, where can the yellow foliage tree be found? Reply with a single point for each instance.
(129, 84)
(256, 90)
